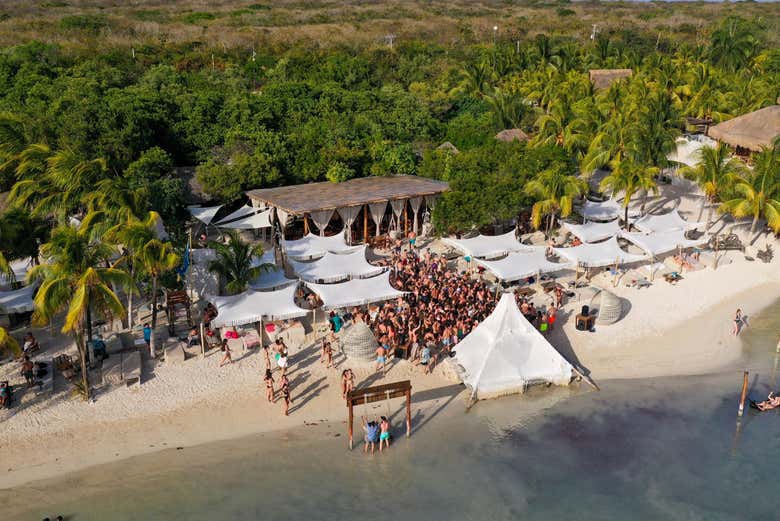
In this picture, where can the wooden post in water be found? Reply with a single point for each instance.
(408, 412)
(744, 393)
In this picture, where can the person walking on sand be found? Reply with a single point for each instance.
(328, 355)
(282, 361)
(347, 382)
(267, 358)
(226, 350)
(269, 385)
(737, 322)
(384, 435)
(286, 398)
(381, 357)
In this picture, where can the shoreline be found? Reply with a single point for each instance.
(244, 413)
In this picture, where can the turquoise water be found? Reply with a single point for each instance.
(654, 449)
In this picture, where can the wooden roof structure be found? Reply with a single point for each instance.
(751, 131)
(603, 78)
(512, 134)
(312, 197)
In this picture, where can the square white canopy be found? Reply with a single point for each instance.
(505, 354)
(204, 214)
(605, 211)
(594, 255)
(520, 265)
(253, 306)
(250, 222)
(333, 267)
(356, 292)
(314, 246)
(593, 231)
(664, 223)
(487, 246)
(662, 242)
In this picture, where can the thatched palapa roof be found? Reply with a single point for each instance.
(300, 199)
(603, 78)
(448, 147)
(512, 134)
(752, 131)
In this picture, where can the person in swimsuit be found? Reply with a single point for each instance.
(425, 358)
(269, 385)
(285, 386)
(381, 357)
(372, 434)
(27, 371)
(737, 322)
(225, 349)
(282, 361)
(328, 355)
(384, 434)
(347, 382)
(771, 402)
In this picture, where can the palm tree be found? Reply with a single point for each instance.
(9, 343)
(554, 191)
(757, 193)
(236, 262)
(715, 168)
(629, 178)
(508, 109)
(732, 44)
(72, 279)
(477, 75)
(155, 258)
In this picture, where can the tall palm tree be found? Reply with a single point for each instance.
(757, 193)
(732, 44)
(629, 178)
(236, 262)
(715, 169)
(9, 343)
(73, 279)
(554, 191)
(155, 258)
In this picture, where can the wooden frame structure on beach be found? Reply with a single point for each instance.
(378, 393)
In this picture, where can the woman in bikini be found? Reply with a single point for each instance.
(226, 350)
(269, 385)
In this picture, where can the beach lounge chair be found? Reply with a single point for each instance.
(673, 277)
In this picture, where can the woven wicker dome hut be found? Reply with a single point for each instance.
(609, 306)
(512, 134)
(359, 343)
(750, 131)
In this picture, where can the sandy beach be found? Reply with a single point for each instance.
(669, 330)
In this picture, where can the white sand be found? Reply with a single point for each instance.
(669, 330)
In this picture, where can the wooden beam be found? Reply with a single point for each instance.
(365, 223)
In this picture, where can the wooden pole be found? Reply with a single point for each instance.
(305, 225)
(406, 220)
(744, 393)
(365, 223)
(351, 418)
(202, 339)
(408, 413)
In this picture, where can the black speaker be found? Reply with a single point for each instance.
(585, 310)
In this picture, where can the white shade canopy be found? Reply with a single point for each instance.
(688, 150)
(20, 267)
(594, 255)
(269, 280)
(241, 212)
(17, 301)
(662, 242)
(313, 246)
(333, 267)
(253, 306)
(356, 292)
(605, 211)
(505, 354)
(487, 246)
(593, 231)
(664, 223)
(204, 214)
(520, 265)
(250, 222)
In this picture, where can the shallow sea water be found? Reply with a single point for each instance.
(654, 449)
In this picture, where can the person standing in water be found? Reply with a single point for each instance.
(384, 434)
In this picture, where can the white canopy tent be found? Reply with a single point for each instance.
(200, 280)
(688, 150)
(487, 246)
(594, 255)
(333, 267)
(204, 214)
(662, 242)
(520, 265)
(17, 301)
(605, 211)
(241, 212)
(593, 231)
(20, 268)
(313, 246)
(356, 292)
(253, 306)
(505, 354)
(270, 280)
(250, 222)
(664, 223)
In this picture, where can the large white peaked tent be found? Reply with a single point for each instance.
(662, 242)
(334, 267)
(487, 246)
(593, 231)
(314, 246)
(356, 292)
(204, 214)
(664, 223)
(595, 255)
(605, 211)
(505, 354)
(520, 265)
(253, 306)
(241, 212)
